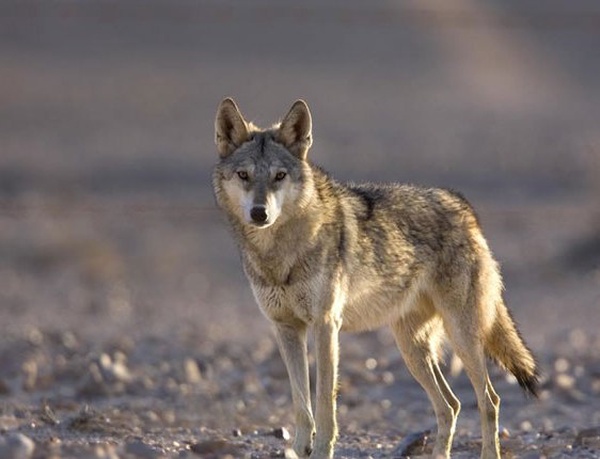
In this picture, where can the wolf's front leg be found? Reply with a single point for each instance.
(327, 350)
(292, 346)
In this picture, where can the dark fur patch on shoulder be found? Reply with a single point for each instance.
(369, 197)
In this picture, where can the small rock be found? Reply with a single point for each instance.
(82, 420)
(69, 340)
(192, 371)
(48, 416)
(219, 447)
(104, 452)
(588, 437)
(114, 370)
(30, 375)
(503, 432)
(92, 383)
(412, 444)
(564, 381)
(561, 365)
(141, 450)
(4, 387)
(289, 453)
(16, 446)
(282, 432)
(526, 426)
(120, 372)
(236, 432)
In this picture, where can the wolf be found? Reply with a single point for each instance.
(327, 256)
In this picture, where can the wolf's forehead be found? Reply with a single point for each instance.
(263, 152)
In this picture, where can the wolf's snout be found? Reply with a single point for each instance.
(258, 214)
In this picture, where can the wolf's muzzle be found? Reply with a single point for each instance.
(258, 214)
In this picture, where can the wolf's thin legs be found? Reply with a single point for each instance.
(292, 346)
(327, 350)
(421, 362)
(470, 350)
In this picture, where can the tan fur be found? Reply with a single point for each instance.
(330, 256)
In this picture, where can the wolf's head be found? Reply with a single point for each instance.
(262, 174)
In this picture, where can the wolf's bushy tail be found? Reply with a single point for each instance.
(506, 347)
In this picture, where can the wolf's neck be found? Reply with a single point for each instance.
(288, 237)
(274, 253)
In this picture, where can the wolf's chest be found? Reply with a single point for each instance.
(288, 303)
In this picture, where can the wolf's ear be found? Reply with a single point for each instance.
(231, 129)
(295, 131)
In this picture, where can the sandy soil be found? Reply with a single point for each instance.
(126, 326)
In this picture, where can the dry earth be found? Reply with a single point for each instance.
(126, 327)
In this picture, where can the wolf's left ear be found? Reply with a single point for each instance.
(231, 129)
(295, 131)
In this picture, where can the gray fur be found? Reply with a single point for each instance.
(335, 256)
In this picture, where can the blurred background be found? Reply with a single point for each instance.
(107, 221)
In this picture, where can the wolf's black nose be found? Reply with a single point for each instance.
(258, 214)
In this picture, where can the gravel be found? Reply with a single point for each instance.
(140, 401)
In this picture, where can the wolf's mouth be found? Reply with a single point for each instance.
(260, 224)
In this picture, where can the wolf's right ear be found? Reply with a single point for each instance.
(231, 129)
(295, 131)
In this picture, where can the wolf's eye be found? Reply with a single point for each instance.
(243, 175)
(280, 176)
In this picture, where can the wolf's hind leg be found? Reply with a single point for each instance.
(292, 346)
(417, 336)
(470, 350)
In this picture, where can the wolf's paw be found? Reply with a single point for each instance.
(302, 450)
(322, 451)
(303, 443)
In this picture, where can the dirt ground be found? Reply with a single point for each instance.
(126, 326)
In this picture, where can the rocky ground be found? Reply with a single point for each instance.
(64, 396)
(126, 327)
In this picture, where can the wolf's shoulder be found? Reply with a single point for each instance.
(390, 194)
(408, 202)
(404, 200)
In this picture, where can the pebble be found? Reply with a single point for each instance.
(4, 387)
(371, 364)
(30, 375)
(141, 450)
(412, 444)
(115, 369)
(588, 437)
(92, 383)
(526, 426)
(16, 446)
(216, 446)
(282, 432)
(48, 416)
(561, 365)
(192, 371)
(289, 453)
(104, 452)
(565, 381)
